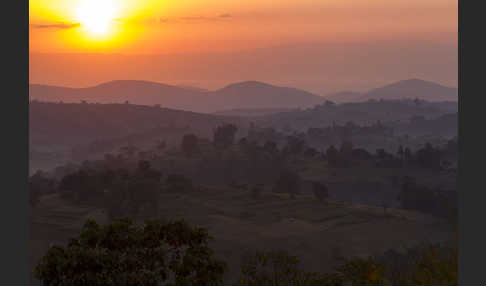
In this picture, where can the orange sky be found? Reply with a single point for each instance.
(151, 26)
(138, 27)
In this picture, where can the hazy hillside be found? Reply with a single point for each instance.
(59, 123)
(56, 130)
(405, 89)
(239, 95)
(445, 126)
(359, 112)
(251, 112)
(253, 94)
(136, 92)
(344, 96)
(413, 88)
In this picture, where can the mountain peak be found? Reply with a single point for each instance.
(248, 84)
(131, 83)
(413, 88)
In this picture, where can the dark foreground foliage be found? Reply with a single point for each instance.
(123, 254)
(177, 254)
(425, 265)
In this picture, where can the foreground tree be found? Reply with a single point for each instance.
(425, 264)
(274, 268)
(123, 254)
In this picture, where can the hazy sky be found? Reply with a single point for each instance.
(378, 30)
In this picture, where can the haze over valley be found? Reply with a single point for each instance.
(243, 143)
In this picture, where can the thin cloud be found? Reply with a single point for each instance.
(167, 20)
(196, 18)
(57, 26)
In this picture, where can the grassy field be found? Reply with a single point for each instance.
(305, 227)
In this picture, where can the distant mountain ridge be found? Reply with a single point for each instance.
(248, 94)
(242, 95)
(344, 96)
(413, 88)
(405, 89)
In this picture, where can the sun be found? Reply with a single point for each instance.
(96, 16)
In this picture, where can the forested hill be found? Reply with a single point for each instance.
(78, 123)
(362, 113)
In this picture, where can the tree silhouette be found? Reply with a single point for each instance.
(429, 157)
(190, 145)
(295, 145)
(270, 147)
(224, 136)
(332, 155)
(400, 152)
(320, 191)
(288, 182)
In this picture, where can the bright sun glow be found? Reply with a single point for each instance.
(96, 16)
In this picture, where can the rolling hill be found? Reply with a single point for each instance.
(405, 89)
(56, 129)
(344, 96)
(413, 88)
(77, 123)
(249, 94)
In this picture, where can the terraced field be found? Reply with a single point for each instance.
(305, 227)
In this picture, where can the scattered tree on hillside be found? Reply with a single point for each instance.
(438, 202)
(190, 145)
(332, 155)
(401, 153)
(346, 153)
(311, 152)
(295, 145)
(270, 147)
(288, 182)
(320, 191)
(122, 192)
(429, 157)
(224, 136)
(407, 155)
